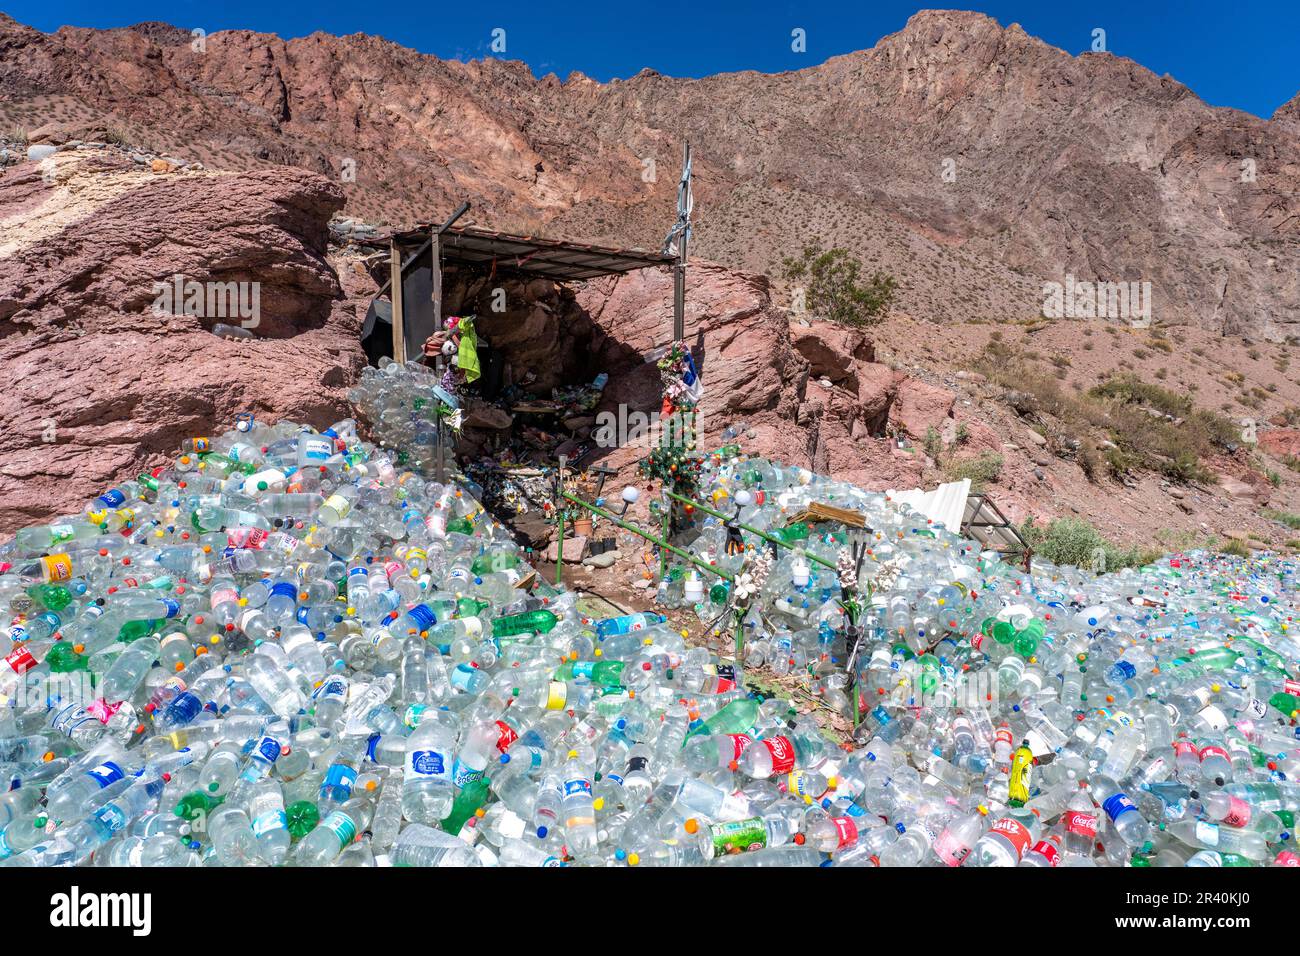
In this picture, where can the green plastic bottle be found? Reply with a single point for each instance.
(1211, 658)
(54, 597)
(197, 804)
(1285, 703)
(789, 535)
(301, 818)
(134, 630)
(738, 717)
(460, 525)
(62, 659)
(600, 673)
(491, 561)
(1027, 640)
(540, 621)
(471, 606)
(466, 804)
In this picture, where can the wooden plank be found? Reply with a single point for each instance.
(820, 511)
(395, 291)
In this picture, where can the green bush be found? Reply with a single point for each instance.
(1284, 517)
(979, 470)
(1075, 541)
(1235, 546)
(933, 444)
(833, 290)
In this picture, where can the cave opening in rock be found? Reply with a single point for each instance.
(549, 371)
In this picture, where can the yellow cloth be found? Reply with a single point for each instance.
(467, 358)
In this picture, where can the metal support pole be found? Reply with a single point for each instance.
(752, 530)
(559, 521)
(629, 526)
(663, 555)
(435, 256)
(679, 270)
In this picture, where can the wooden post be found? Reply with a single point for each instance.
(679, 270)
(435, 253)
(435, 263)
(395, 294)
(560, 506)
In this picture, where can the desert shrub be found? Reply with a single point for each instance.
(1075, 541)
(833, 289)
(1235, 546)
(1284, 517)
(980, 471)
(933, 443)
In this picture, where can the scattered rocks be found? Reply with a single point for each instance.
(483, 415)
(575, 549)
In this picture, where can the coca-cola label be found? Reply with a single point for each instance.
(1081, 822)
(782, 751)
(505, 736)
(1048, 850)
(21, 660)
(1239, 812)
(847, 831)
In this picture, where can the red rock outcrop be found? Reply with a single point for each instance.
(98, 386)
(1281, 442)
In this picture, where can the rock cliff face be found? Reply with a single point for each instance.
(973, 161)
(97, 384)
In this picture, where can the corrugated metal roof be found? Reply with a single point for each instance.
(944, 505)
(555, 259)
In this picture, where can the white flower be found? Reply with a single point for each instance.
(847, 568)
(745, 587)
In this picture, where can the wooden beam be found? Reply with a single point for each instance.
(435, 269)
(435, 254)
(395, 293)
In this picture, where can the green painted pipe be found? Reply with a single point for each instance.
(752, 530)
(663, 555)
(628, 526)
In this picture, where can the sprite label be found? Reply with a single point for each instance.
(738, 837)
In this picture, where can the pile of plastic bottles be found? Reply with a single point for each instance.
(402, 405)
(283, 649)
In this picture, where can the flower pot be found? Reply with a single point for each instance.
(582, 527)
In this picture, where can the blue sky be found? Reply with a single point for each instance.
(1242, 54)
